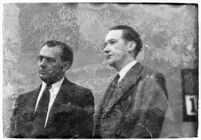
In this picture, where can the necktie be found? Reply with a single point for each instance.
(114, 83)
(42, 108)
(111, 89)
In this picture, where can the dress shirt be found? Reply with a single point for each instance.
(53, 93)
(125, 69)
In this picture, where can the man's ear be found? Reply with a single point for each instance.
(131, 46)
(66, 65)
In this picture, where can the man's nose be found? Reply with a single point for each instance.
(106, 49)
(42, 62)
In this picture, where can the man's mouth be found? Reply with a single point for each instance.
(42, 72)
(109, 56)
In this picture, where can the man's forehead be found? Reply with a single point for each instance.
(53, 48)
(113, 34)
(50, 50)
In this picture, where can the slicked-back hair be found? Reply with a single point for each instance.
(129, 34)
(67, 51)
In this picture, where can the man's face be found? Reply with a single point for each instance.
(51, 67)
(114, 48)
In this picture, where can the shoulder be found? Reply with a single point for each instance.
(151, 77)
(150, 73)
(79, 94)
(77, 89)
(27, 95)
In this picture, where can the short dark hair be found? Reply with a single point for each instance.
(67, 51)
(129, 34)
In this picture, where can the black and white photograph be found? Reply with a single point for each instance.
(100, 70)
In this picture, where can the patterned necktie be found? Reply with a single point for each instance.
(110, 90)
(42, 108)
(115, 81)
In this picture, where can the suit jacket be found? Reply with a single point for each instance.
(137, 108)
(71, 115)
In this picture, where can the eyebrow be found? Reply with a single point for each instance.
(46, 56)
(106, 42)
(111, 39)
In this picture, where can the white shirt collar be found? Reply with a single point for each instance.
(54, 87)
(125, 69)
(53, 93)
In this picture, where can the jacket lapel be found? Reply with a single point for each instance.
(33, 99)
(129, 80)
(60, 100)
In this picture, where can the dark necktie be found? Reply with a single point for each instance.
(42, 108)
(110, 90)
(115, 81)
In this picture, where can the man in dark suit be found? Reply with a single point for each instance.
(58, 108)
(135, 102)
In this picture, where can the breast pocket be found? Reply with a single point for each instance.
(62, 112)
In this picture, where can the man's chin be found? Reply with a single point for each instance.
(49, 80)
(44, 78)
(111, 63)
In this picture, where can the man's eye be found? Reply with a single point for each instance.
(112, 42)
(47, 59)
(40, 58)
(50, 60)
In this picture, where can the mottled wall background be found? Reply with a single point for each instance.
(169, 34)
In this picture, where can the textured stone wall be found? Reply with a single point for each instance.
(169, 34)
